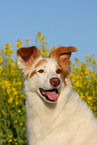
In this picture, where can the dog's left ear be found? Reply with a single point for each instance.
(26, 58)
(62, 56)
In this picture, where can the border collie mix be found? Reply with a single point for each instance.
(55, 113)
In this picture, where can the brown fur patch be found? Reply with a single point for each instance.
(27, 52)
(62, 50)
(62, 56)
(32, 73)
(63, 75)
(26, 58)
(42, 61)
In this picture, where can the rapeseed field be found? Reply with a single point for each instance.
(12, 99)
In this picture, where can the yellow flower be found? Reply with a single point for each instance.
(18, 44)
(21, 123)
(77, 60)
(40, 37)
(1, 59)
(87, 57)
(10, 140)
(28, 41)
(19, 111)
(8, 45)
(44, 40)
(17, 103)
(15, 139)
(16, 121)
(10, 100)
(89, 98)
(1, 69)
(11, 136)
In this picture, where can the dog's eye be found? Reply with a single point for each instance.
(58, 71)
(41, 71)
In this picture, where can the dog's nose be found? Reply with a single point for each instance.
(54, 82)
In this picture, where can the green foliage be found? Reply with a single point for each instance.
(12, 99)
(84, 80)
(41, 43)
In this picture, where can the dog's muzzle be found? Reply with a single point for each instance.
(51, 95)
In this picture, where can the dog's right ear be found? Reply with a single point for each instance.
(26, 58)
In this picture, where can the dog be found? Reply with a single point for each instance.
(56, 115)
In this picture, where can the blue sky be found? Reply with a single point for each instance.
(62, 22)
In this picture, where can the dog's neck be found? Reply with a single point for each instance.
(42, 117)
(44, 111)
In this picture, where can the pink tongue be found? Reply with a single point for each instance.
(52, 95)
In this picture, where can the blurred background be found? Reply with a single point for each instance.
(62, 22)
(46, 24)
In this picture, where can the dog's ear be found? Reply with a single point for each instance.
(26, 58)
(62, 56)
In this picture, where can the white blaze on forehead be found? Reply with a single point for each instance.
(51, 65)
(48, 63)
(52, 62)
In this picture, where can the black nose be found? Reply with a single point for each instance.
(54, 82)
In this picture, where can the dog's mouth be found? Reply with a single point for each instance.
(50, 96)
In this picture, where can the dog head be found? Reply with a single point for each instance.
(45, 75)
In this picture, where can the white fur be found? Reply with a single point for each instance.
(69, 121)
